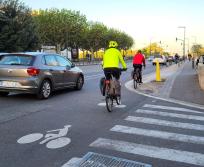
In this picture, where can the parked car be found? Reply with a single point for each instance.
(161, 58)
(1, 55)
(151, 58)
(170, 59)
(38, 73)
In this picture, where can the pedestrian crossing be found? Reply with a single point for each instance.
(161, 122)
(164, 117)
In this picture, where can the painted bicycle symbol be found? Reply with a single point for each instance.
(52, 140)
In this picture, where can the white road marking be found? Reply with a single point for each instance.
(150, 151)
(93, 76)
(173, 115)
(172, 108)
(120, 106)
(58, 143)
(158, 134)
(101, 104)
(74, 162)
(165, 123)
(114, 105)
(30, 138)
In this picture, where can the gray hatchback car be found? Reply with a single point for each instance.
(37, 73)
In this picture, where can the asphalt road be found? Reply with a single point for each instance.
(92, 129)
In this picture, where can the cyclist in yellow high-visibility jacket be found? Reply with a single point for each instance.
(111, 60)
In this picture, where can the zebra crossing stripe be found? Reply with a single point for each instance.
(153, 121)
(173, 115)
(158, 134)
(172, 108)
(150, 151)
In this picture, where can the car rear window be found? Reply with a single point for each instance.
(14, 59)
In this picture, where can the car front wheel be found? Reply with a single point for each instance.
(79, 83)
(45, 90)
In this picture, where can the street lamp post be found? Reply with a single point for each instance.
(188, 45)
(184, 38)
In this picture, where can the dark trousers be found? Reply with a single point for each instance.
(139, 66)
(112, 71)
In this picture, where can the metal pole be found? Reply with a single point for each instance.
(184, 42)
(184, 38)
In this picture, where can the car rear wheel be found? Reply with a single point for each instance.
(79, 83)
(45, 90)
(4, 93)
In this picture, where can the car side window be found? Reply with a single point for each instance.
(50, 60)
(63, 62)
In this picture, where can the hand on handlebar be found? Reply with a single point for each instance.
(124, 69)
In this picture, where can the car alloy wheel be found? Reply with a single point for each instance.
(45, 90)
(80, 82)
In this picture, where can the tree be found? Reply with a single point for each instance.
(124, 40)
(153, 48)
(196, 49)
(96, 36)
(61, 28)
(17, 28)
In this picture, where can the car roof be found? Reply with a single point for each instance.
(26, 53)
(1, 53)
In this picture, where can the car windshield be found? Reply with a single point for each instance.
(157, 56)
(13, 59)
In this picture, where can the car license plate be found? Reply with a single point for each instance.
(9, 84)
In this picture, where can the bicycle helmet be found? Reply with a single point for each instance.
(113, 44)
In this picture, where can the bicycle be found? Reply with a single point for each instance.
(111, 90)
(136, 77)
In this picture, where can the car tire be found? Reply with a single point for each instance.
(45, 90)
(4, 93)
(79, 83)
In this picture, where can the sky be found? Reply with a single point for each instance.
(146, 21)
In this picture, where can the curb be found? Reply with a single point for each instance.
(150, 77)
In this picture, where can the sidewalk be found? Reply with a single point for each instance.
(180, 83)
(186, 86)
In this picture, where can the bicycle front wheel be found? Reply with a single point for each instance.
(118, 100)
(109, 103)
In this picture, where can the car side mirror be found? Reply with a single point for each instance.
(73, 65)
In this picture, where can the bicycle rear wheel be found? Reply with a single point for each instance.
(135, 80)
(109, 103)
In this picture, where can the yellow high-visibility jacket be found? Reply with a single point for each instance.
(112, 57)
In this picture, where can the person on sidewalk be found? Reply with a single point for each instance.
(177, 58)
(138, 60)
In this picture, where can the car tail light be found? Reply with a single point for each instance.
(32, 71)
